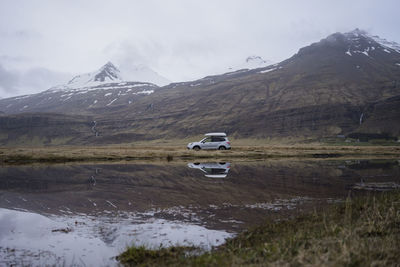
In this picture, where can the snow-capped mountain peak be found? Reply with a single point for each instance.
(360, 41)
(106, 74)
(109, 76)
(356, 32)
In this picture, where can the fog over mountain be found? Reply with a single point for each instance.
(180, 40)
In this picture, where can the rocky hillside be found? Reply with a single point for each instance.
(49, 129)
(88, 93)
(344, 84)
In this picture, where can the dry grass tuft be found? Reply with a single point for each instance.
(151, 151)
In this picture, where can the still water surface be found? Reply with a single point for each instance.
(86, 214)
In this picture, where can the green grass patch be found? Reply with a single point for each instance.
(364, 231)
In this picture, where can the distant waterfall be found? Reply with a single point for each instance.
(94, 130)
(361, 118)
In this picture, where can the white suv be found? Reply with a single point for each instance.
(212, 141)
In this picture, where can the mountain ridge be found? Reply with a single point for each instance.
(321, 91)
(83, 94)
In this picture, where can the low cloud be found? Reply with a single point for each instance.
(9, 81)
(179, 39)
(13, 82)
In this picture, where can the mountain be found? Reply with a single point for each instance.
(111, 74)
(84, 94)
(320, 91)
(345, 84)
(106, 74)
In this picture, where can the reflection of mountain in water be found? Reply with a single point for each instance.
(372, 164)
(174, 191)
(212, 169)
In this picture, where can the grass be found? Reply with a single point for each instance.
(364, 231)
(153, 151)
(355, 142)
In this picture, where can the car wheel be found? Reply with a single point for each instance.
(197, 148)
(221, 148)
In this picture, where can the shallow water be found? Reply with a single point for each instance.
(88, 213)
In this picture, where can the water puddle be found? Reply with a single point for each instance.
(85, 215)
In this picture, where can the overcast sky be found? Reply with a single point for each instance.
(46, 42)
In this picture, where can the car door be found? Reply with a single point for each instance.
(207, 143)
(216, 141)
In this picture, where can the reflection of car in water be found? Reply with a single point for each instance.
(212, 169)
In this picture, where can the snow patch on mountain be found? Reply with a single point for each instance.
(112, 101)
(267, 70)
(144, 92)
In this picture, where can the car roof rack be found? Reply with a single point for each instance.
(215, 134)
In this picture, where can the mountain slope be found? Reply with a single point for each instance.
(84, 94)
(320, 91)
(45, 129)
(344, 84)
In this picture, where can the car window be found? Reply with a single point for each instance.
(218, 139)
(208, 139)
